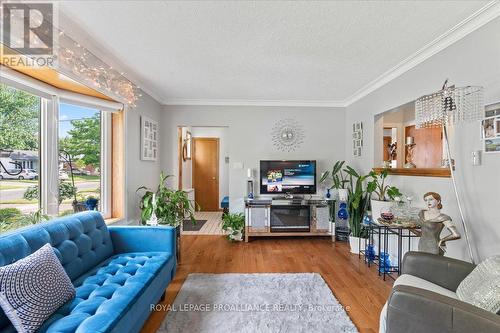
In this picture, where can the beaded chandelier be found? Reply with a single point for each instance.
(450, 105)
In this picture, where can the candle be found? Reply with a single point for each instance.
(410, 140)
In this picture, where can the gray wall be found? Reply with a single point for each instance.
(474, 60)
(138, 172)
(249, 139)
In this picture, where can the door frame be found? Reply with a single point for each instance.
(193, 165)
(179, 157)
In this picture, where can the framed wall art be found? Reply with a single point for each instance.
(149, 139)
(357, 138)
(490, 129)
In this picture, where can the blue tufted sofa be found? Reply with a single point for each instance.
(118, 272)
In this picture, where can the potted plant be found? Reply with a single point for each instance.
(166, 206)
(338, 179)
(357, 203)
(384, 193)
(234, 224)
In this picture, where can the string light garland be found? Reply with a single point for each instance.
(79, 63)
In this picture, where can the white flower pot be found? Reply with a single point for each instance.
(235, 235)
(379, 207)
(355, 243)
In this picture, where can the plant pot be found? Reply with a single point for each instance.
(356, 243)
(91, 203)
(235, 235)
(79, 206)
(379, 207)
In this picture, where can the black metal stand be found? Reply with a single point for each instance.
(383, 233)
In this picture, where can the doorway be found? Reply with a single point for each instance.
(205, 173)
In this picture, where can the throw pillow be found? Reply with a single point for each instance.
(482, 286)
(33, 288)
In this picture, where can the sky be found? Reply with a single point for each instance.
(68, 112)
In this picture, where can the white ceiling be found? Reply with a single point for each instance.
(295, 53)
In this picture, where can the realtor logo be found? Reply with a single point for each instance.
(27, 28)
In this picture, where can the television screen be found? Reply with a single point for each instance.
(297, 177)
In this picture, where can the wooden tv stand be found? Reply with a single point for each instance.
(268, 217)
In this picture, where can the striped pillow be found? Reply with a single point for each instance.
(33, 288)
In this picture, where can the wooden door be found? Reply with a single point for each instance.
(205, 161)
(428, 150)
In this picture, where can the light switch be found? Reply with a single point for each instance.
(476, 158)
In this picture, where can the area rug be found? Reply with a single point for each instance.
(188, 225)
(210, 303)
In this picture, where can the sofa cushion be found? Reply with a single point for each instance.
(80, 241)
(33, 288)
(105, 294)
(413, 281)
(482, 286)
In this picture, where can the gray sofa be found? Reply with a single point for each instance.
(424, 299)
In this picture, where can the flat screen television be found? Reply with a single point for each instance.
(281, 177)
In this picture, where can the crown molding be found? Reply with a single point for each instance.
(253, 102)
(481, 17)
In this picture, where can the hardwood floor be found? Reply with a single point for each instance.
(356, 286)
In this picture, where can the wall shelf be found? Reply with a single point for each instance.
(416, 172)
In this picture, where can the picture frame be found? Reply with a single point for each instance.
(149, 139)
(490, 129)
(492, 145)
(357, 138)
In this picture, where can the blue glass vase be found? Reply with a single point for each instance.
(342, 213)
(370, 253)
(328, 194)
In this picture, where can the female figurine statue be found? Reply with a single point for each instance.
(432, 221)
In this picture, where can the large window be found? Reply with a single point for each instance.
(55, 157)
(19, 156)
(79, 158)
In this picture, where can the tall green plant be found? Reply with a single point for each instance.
(359, 196)
(170, 206)
(380, 188)
(337, 176)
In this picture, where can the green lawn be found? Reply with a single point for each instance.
(18, 202)
(9, 187)
(81, 178)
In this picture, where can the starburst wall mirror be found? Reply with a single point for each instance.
(287, 135)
